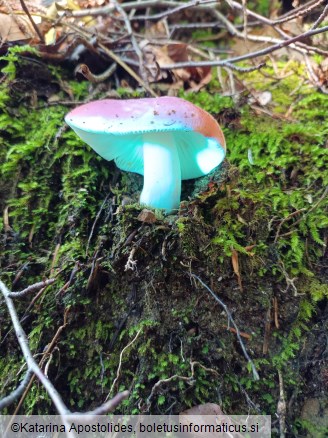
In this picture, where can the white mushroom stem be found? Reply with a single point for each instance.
(162, 173)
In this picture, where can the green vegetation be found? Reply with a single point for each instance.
(269, 204)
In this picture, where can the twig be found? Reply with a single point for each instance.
(33, 288)
(105, 10)
(10, 399)
(47, 352)
(32, 365)
(35, 27)
(245, 16)
(35, 370)
(228, 65)
(120, 362)
(230, 319)
(106, 407)
(84, 70)
(133, 41)
(177, 9)
(95, 222)
(321, 18)
(294, 14)
(120, 62)
(275, 312)
(251, 55)
(273, 23)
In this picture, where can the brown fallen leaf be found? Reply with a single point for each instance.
(147, 216)
(194, 77)
(235, 265)
(15, 28)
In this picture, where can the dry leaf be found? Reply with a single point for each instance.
(157, 30)
(15, 28)
(147, 216)
(235, 265)
(195, 78)
(249, 249)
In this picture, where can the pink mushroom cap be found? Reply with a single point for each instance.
(119, 130)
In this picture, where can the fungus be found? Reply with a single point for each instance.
(165, 139)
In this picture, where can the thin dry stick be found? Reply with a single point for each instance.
(120, 62)
(42, 361)
(95, 222)
(32, 365)
(251, 55)
(145, 4)
(279, 20)
(230, 319)
(321, 18)
(84, 70)
(133, 41)
(33, 288)
(35, 27)
(101, 410)
(11, 398)
(188, 5)
(120, 362)
(299, 46)
(34, 368)
(244, 5)
(230, 66)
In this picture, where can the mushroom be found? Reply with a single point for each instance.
(165, 139)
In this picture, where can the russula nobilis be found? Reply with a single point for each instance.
(165, 139)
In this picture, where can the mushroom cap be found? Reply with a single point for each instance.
(115, 129)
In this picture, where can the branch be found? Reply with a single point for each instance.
(251, 55)
(35, 27)
(106, 407)
(306, 9)
(84, 70)
(33, 288)
(321, 18)
(10, 399)
(133, 39)
(34, 369)
(105, 10)
(32, 365)
(161, 15)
